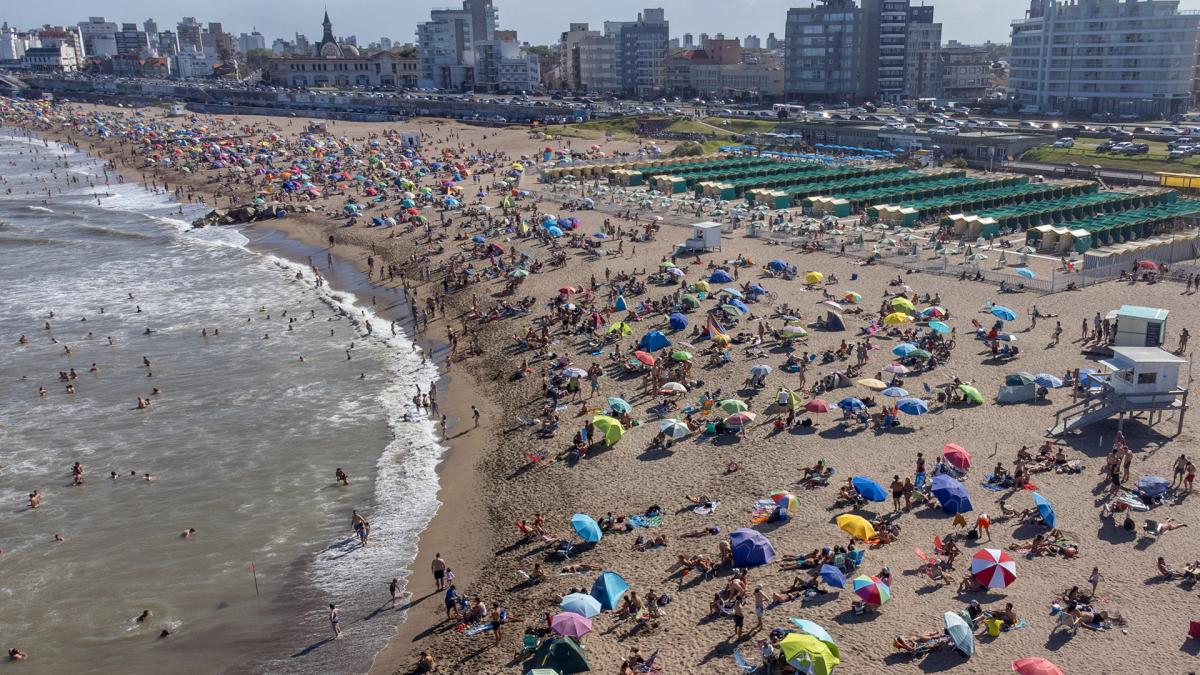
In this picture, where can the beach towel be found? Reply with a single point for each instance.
(478, 628)
(988, 484)
(643, 521)
(705, 509)
(1020, 624)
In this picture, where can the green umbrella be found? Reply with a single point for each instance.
(919, 354)
(732, 405)
(611, 429)
(690, 300)
(970, 392)
(681, 356)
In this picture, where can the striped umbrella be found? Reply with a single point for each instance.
(871, 590)
(785, 499)
(994, 568)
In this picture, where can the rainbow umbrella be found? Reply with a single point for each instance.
(852, 297)
(785, 500)
(871, 590)
(994, 568)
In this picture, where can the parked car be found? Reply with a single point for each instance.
(1064, 143)
(943, 131)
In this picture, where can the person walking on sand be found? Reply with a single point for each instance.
(760, 605)
(897, 493)
(438, 566)
(739, 619)
(334, 621)
(1094, 579)
(475, 415)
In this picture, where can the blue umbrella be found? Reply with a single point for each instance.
(608, 589)
(1045, 510)
(912, 406)
(811, 628)
(850, 403)
(720, 277)
(678, 321)
(939, 327)
(832, 576)
(740, 305)
(750, 548)
(904, 348)
(586, 527)
(1152, 486)
(1003, 313)
(1025, 272)
(869, 489)
(732, 291)
(554, 231)
(654, 341)
(960, 632)
(951, 494)
(619, 405)
(583, 605)
(1047, 380)
(894, 392)
(478, 239)
(757, 288)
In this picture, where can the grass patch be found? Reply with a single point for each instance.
(742, 126)
(1084, 153)
(690, 126)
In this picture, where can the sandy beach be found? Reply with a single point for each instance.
(504, 365)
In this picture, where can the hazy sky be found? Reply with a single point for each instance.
(538, 22)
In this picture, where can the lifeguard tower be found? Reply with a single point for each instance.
(1140, 326)
(1140, 379)
(706, 236)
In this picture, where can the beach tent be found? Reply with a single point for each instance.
(678, 321)
(608, 589)
(750, 548)
(654, 341)
(834, 321)
(1018, 387)
(621, 305)
(720, 277)
(563, 655)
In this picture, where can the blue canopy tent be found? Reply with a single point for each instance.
(608, 589)
(654, 341)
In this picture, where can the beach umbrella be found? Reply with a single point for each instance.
(1045, 510)
(584, 605)
(654, 341)
(833, 576)
(896, 318)
(903, 349)
(574, 372)
(678, 321)
(620, 328)
(785, 500)
(960, 633)
(740, 419)
(817, 406)
(814, 278)
(1003, 313)
(608, 589)
(518, 274)
(919, 354)
(570, 624)
(871, 590)
(733, 292)
(869, 489)
(894, 392)
(1147, 265)
(750, 548)
(1025, 272)
(903, 304)
(675, 272)
(1152, 486)
(734, 310)
(733, 405)
(993, 568)
(681, 355)
(620, 305)
(1035, 665)
(808, 654)
(872, 383)
(561, 655)
(1047, 380)
(939, 327)
(912, 406)
(619, 405)
(971, 393)
(674, 429)
(702, 285)
(612, 430)
(895, 368)
(851, 404)
(832, 305)
(690, 301)
(957, 456)
(794, 331)
(778, 265)
(666, 264)
(934, 311)
(760, 370)
(673, 387)
(852, 297)
(720, 277)
(951, 494)
(644, 357)
(586, 527)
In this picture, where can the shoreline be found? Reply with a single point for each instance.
(457, 474)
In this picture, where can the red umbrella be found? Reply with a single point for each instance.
(566, 290)
(957, 456)
(994, 568)
(644, 358)
(570, 624)
(1035, 665)
(817, 406)
(1147, 264)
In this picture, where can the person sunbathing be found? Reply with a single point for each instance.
(1088, 617)
(970, 584)
(818, 470)
(951, 551)
(913, 643)
(702, 500)
(1167, 571)
(801, 563)
(641, 545)
(1165, 526)
(579, 568)
(702, 532)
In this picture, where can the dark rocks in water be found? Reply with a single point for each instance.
(249, 213)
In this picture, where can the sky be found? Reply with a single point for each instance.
(538, 22)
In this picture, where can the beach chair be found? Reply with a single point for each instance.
(839, 561)
(649, 666)
(529, 645)
(742, 664)
(563, 551)
(855, 557)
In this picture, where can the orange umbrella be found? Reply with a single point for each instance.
(644, 357)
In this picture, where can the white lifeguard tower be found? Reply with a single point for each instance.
(706, 236)
(1139, 379)
(410, 139)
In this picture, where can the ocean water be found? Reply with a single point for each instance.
(242, 442)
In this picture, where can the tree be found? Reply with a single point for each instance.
(256, 59)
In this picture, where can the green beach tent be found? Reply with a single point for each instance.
(561, 654)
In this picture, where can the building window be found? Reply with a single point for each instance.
(1147, 378)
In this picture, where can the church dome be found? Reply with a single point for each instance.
(349, 50)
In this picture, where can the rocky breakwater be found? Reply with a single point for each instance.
(249, 213)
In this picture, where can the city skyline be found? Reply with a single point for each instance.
(368, 20)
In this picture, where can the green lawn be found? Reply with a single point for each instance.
(690, 126)
(1084, 153)
(742, 126)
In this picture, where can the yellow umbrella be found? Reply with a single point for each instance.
(856, 526)
(808, 653)
(610, 428)
(722, 339)
(903, 304)
(621, 328)
(872, 383)
(701, 286)
(814, 278)
(896, 318)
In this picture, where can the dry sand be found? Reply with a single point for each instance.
(487, 483)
